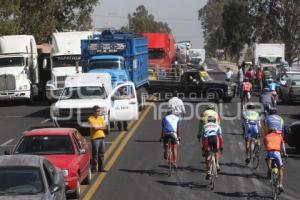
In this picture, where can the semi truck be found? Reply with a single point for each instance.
(162, 49)
(65, 57)
(123, 55)
(19, 73)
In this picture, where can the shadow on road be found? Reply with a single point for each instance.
(252, 175)
(191, 185)
(150, 172)
(185, 168)
(40, 114)
(248, 195)
(232, 164)
(147, 141)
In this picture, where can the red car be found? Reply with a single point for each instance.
(65, 148)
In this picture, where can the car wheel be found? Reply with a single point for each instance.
(88, 178)
(77, 191)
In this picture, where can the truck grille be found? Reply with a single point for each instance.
(61, 81)
(75, 114)
(7, 82)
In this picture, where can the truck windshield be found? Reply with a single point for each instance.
(106, 64)
(269, 60)
(84, 92)
(156, 54)
(65, 60)
(12, 61)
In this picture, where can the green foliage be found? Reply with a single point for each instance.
(42, 17)
(142, 21)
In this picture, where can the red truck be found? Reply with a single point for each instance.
(162, 50)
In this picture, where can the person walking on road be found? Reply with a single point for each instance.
(97, 127)
(240, 80)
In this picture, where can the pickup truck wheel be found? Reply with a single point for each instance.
(227, 100)
(107, 131)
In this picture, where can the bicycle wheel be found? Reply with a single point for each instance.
(274, 185)
(255, 157)
(213, 172)
(170, 158)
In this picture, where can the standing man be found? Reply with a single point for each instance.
(259, 77)
(240, 79)
(228, 74)
(97, 127)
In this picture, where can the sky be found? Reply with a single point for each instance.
(181, 16)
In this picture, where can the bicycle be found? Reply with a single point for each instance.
(254, 153)
(213, 170)
(169, 155)
(275, 180)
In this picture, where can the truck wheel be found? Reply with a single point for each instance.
(107, 131)
(227, 100)
(142, 93)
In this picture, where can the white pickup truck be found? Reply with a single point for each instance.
(83, 91)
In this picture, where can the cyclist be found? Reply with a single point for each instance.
(272, 85)
(209, 111)
(170, 130)
(267, 99)
(274, 143)
(274, 122)
(246, 90)
(251, 129)
(212, 141)
(177, 105)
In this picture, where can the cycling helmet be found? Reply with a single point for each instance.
(211, 119)
(210, 107)
(272, 110)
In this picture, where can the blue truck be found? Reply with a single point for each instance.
(123, 55)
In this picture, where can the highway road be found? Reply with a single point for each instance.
(137, 170)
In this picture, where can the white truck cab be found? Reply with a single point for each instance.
(65, 56)
(83, 91)
(19, 74)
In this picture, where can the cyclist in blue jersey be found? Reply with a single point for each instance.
(274, 122)
(273, 86)
(212, 141)
(170, 130)
(252, 128)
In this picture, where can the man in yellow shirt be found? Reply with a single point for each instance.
(97, 127)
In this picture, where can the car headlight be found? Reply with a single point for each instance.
(65, 172)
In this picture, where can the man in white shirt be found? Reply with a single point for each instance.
(177, 105)
(228, 74)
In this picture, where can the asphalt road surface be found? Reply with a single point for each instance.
(136, 166)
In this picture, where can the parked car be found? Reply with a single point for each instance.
(30, 177)
(66, 148)
(291, 90)
(293, 136)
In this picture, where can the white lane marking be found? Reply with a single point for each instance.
(12, 116)
(6, 143)
(45, 121)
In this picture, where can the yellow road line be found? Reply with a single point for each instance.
(115, 156)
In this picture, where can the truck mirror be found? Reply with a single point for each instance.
(45, 63)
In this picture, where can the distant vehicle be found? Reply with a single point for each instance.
(190, 85)
(291, 90)
(65, 148)
(19, 73)
(65, 57)
(83, 91)
(282, 78)
(123, 55)
(162, 50)
(30, 177)
(268, 56)
(293, 136)
(197, 56)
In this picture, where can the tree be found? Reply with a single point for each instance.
(237, 26)
(278, 21)
(42, 17)
(142, 21)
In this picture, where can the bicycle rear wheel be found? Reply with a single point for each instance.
(274, 185)
(213, 172)
(170, 158)
(255, 157)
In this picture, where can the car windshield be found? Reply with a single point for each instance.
(269, 60)
(12, 61)
(156, 54)
(65, 61)
(87, 92)
(45, 145)
(107, 64)
(20, 181)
